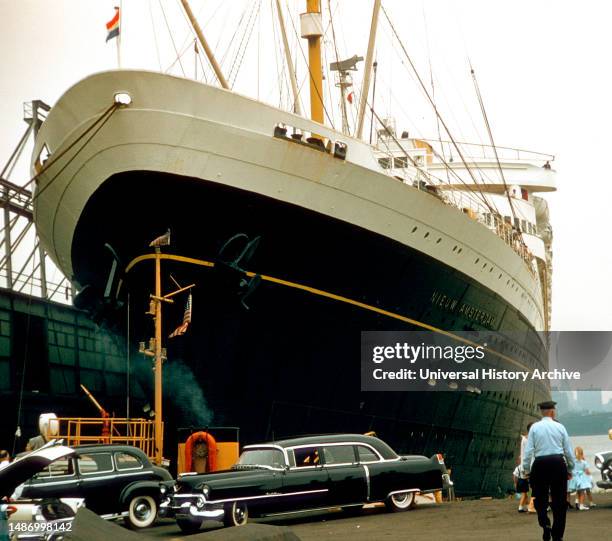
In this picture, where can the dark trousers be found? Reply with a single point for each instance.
(549, 476)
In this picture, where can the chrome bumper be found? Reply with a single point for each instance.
(185, 506)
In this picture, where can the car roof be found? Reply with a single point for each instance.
(108, 447)
(385, 450)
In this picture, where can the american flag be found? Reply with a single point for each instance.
(182, 328)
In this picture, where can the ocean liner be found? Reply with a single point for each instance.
(298, 237)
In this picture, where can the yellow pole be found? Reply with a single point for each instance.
(314, 65)
(159, 436)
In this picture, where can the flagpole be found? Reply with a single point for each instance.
(159, 435)
(120, 8)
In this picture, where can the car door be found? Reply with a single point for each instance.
(378, 482)
(100, 486)
(347, 479)
(58, 480)
(305, 482)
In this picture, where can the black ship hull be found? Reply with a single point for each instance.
(289, 363)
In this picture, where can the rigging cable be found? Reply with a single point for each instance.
(431, 77)
(237, 63)
(231, 41)
(501, 171)
(178, 57)
(23, 372)
(331, 24)
(472, 194)
(155, 35)
(104, 118)
(52, 161)
(424, 88)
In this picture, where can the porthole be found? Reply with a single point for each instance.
(439, 240)
(454, 248)
(414, 228)
(426, 235)
(460, 250)
(477, 260)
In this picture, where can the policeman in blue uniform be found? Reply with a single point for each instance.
(549, 461)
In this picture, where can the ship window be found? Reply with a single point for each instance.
(385, 163)
(524, 226)
(507, 219)
(517, 223)
(401, 162)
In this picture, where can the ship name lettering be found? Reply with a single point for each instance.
(446, 302)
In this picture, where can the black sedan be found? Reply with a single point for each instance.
(114, 480)
(315, 472)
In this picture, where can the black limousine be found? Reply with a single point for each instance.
(314, 472)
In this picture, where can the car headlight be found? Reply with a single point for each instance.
(200, 502)
(175, 487)
(163, 489)
(598, 461)
(206, 490)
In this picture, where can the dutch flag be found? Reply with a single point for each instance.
(113, 25)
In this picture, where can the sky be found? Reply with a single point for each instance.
(542, 68)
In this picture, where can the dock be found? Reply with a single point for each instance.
(473, 520)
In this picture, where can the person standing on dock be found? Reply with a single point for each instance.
(548, 446)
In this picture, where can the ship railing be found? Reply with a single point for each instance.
(474, 152)
(421, 179)
(496, 225)
(113, 430)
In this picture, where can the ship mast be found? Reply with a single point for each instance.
(204, 43)
(312, 30)
(294, 87)
(367, 70)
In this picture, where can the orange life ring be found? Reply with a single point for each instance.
(211, 443)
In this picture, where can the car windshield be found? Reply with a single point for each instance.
(261, 458)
